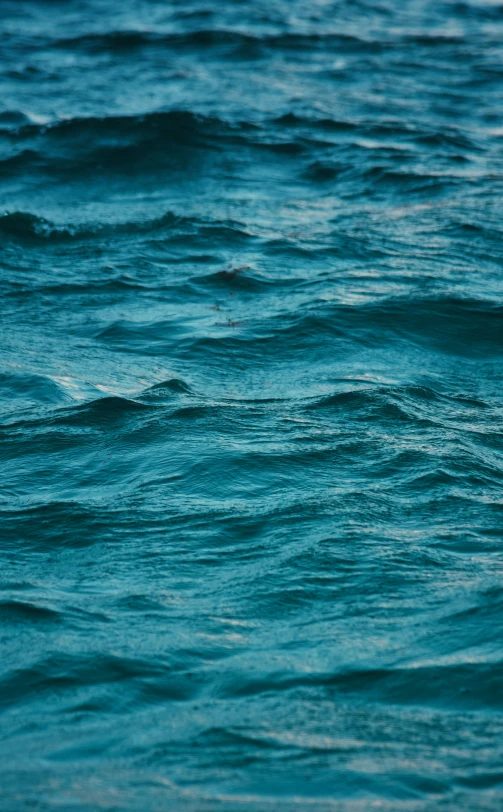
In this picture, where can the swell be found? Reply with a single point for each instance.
(244, 44)
(170, 126)
(172, 141)
(477, 685)
(80, 403)
(180, 123)
(248, 45)
(384, 438)
(182, 142)
(66, 674)
(457, 326)
(28, 227)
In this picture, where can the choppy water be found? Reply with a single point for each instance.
(251, 405)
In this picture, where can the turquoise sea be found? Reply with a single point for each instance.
(251, 405)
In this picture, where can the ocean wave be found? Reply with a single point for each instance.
(28, 227)
(478, 685)
(170, 126)
(181, 128)
(359, 155)
(461, 327)
(25, 612)
(250, 45)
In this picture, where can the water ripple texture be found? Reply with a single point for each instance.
(251, 411)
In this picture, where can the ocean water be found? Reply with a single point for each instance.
(251, 409)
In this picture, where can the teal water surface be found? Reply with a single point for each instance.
(251, 410)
